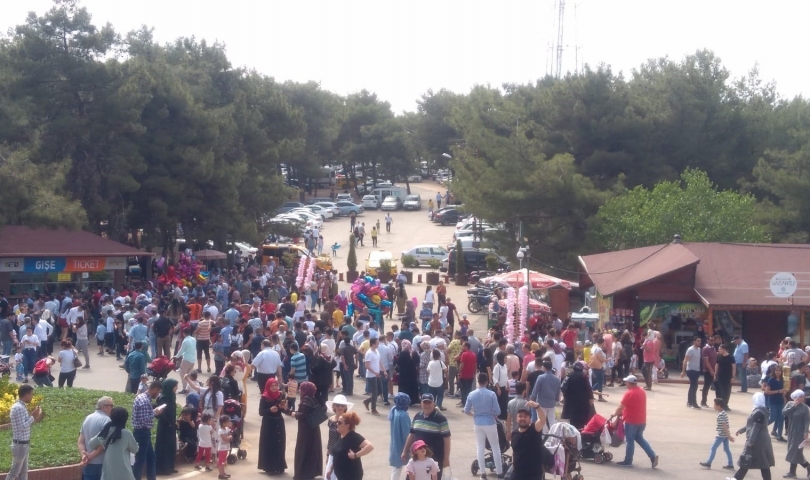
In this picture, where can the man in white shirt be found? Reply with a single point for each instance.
(42, 333)
(329, 342)
(211, 308)
(267, 364)
(387, 350)
(374, 374)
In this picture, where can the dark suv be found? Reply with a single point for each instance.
(474, 260)
(447, 217)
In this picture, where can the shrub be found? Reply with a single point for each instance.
(53, 440)
(434, 264)
(351, 260)
(8, 396)
(409, 261)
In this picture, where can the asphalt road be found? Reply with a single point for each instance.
(680, 436)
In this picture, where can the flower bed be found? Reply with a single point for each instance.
(53, 440)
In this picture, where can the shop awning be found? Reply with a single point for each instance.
(20, 241)
(614, 272)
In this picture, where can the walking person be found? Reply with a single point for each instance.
(188, 353)
(709, 359)
(166, 437)
(373, 236)
(650, 354)
(633, 410)
(143, 416)
(67, 367)
(21, 422)
(430, 426)
(798, 417)
(91, 426)
(273, 436)
(741, 361)
(691, 368)
(775, 395)
(546, 393)
(388, 222)
(339, 406)
(758, 451)
(400, 426)
(81, 340)
(346, 453)
(374, 373)
(308, 460)
(723, 373)
(598, 360)
(267, 364)
(438, 200)
(482, 405)
(722, 436)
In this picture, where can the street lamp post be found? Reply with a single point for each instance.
(522, 253)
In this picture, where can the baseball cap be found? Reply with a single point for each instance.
(525, 410)
(417, 445)
(630, 379)
(428, 398)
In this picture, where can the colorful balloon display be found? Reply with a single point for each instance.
(366, 292)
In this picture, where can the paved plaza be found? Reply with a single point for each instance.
(679, 435)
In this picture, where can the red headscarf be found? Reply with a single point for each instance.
(308, 389)
(270, 394)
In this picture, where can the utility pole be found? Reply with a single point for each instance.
(559, 46)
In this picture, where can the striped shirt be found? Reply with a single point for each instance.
(432, 429)
(722, 424)
(203, 331)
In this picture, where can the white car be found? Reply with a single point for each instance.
(390, 203)
(371, 201)
(319, 210)
(344, 197)
(470, 232)
(312, 219)
(412, 202)
(309, 213)
(331, 206)
(414, 178)
(423, 253)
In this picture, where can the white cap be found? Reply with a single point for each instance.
(630, 379)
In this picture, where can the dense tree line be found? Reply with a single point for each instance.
(120, 135)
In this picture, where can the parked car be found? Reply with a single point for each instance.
(423, 253)
(329, 206)
(373, 261)
(412, 202)
(470, 232)
(289, 206)
(371, 202)
(346, 208)
(474, 259)
(447, 217)
(323, 212)
(390, 203)
(311, 220)
(318, 200)
(344, 197)
(414, 178)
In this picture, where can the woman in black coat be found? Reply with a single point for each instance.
(321, 374)
(578, 397)
(408, 366)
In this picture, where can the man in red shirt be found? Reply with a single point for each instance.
(467, 366)
(633, 410)
(569, 336)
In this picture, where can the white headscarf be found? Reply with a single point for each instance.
(796, 394)
(759, 400)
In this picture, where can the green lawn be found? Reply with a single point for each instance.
(53, 441)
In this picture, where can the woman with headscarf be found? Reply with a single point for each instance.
(321, 374)
(342, 302)
(308, 448)
(424, 360)
(578, 397)
(410, 315)
(118, 444)
(758, 451)
(166, 436)
(400, 428)
(400, 298)
(273, 436)
(798, 417)
(408, 365)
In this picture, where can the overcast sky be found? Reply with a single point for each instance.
(399, 50)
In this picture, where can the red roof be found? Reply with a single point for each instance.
(726, 274)
(20, 241)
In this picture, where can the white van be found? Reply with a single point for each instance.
(385, 192)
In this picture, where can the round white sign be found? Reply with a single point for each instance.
(783, 285)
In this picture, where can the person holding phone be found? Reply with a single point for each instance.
(143, 416)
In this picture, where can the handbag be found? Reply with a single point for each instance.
(76, 362)
(317, 416)
(746, 459)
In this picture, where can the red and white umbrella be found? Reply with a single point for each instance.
(537, 280)
(534, 305)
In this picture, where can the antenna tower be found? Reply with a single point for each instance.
(558, 50)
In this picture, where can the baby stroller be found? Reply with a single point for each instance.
(489, 461)
(565, 444)
(233, 409)
(161, 367)
(592, 446)
(5, 366)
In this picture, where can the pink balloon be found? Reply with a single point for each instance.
(415, 302)
(356, 289)
(383, 294)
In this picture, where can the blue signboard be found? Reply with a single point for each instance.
(45, 264)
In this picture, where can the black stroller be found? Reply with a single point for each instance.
(233, 409)
(489, 461)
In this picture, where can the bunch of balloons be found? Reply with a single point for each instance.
(187, 269)
(367, 292)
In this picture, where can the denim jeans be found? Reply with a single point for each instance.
(777, 418)
(348, 382)
(465, 387)
(717, 442)
(384, 388)
(438, 394)
(708, 380)
(373, 386)
(29, 360)
(743, 379)
(633, 434)
(691, 395)
(598, 379)
(92, 471)
(146, 454)
(7, 344)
